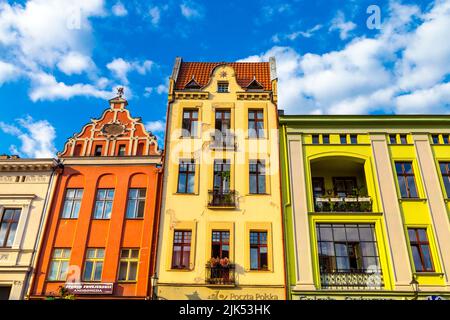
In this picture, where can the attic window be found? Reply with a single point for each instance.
(192, 85)
(255, 85)
(222, 86)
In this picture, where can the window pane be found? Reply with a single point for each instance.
(326, 234)
(416, 258)
(108, 209)
(398, 167)
(366, 234)
(427, 257)
(3, 230)
(131, 208)
(123, 271)
(191, 183)
(402, 185)
(142, 193)
(368, 249)
(98, 271)
(422, 235)
(110, 194)
(182, 183)
(133, 271)
(352, 233)
(253, 258)
(262, 184)
(327, 248)
(76, 209)
(125, 253)
(412, 187)
(88, 270)
(412, 235)
(141, 208)
(79, 193)
(53, 270)
(341, 249)
(176, 256)
(186, 256)
(339, 233)
(67, 209)
(370, 262)
(134, 254)
(342, 264)
(101, 194)
(98, 211)
(12, 234)
(63, 270)
(133, 194)
(90, 253)
(100, 253)
(70, 193)
(252, 183)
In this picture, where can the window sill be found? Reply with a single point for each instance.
(188, 137)
(186, 194)
(428, 274)
(258, 194)
(100, 219)
(412, 200)
(55, 281)
(68, 218)
(180, 270)
(134, 218)
(126, 282)
(259, 271)
(257, 138)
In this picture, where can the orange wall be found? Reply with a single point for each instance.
(113, 234)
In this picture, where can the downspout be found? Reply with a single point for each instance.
(282, 209)
(42, 225)
(286, 204)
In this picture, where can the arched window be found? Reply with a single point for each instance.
(77, 151)
(140, 149)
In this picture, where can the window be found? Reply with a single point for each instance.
(98, 151)
(318, 184)
(445, 171)
(93, 266)
(59, 265)
(406, 181)
(257, 177)
(315, 139)
(121, 151)
(223, 120)
(222, 87)
(393, 139)
(128, 265)
(420, 249)
(403, 139)
(344, 186)
(222, 176)
(435, 138)
(343, 138)
(186, 176)
(190, 122)
(354, 139)
(258, 250)
(136, 203)
(256, 124)
(103, 203)
(72, 203)
(181, 253)
(347, 248)
(326, 138)
(140, 149)
(220, 247)
(445, 138)
(8, 227)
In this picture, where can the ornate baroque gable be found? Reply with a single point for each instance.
(115, 134)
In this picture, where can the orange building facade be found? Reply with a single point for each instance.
(100, 237)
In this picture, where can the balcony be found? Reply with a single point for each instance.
(343, 204)
(223, 141)
(220, 275)
(351, 280)
(222, 199)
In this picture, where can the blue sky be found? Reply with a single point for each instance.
(60, 61)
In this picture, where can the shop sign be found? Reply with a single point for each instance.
(89, 288)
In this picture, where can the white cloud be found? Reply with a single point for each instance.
(119, 9)
(75, 63)
(41, 36)
(344, 27)
(155, 126)
(191, 10)
(7, 72)
(37, 137)
(46, 87)
(162, 88)
(294, 35)
(395, 71)
(120, 68)
(155, 15)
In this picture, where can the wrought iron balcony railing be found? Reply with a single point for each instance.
(352, 280)
(223, 140)
(342, 204)
(222, 198)
(220, 275)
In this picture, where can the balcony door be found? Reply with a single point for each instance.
(344, 186)
(222, 176)
(223, 120)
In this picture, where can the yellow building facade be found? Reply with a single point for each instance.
(221, 224)
(366, 204)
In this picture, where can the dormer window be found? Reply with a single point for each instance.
(192, 85)
(254, 85)
(222, 86)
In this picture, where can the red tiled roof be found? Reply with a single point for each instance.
(245, 71)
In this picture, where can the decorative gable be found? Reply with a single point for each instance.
(115, 134)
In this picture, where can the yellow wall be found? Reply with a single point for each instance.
(254, 212)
